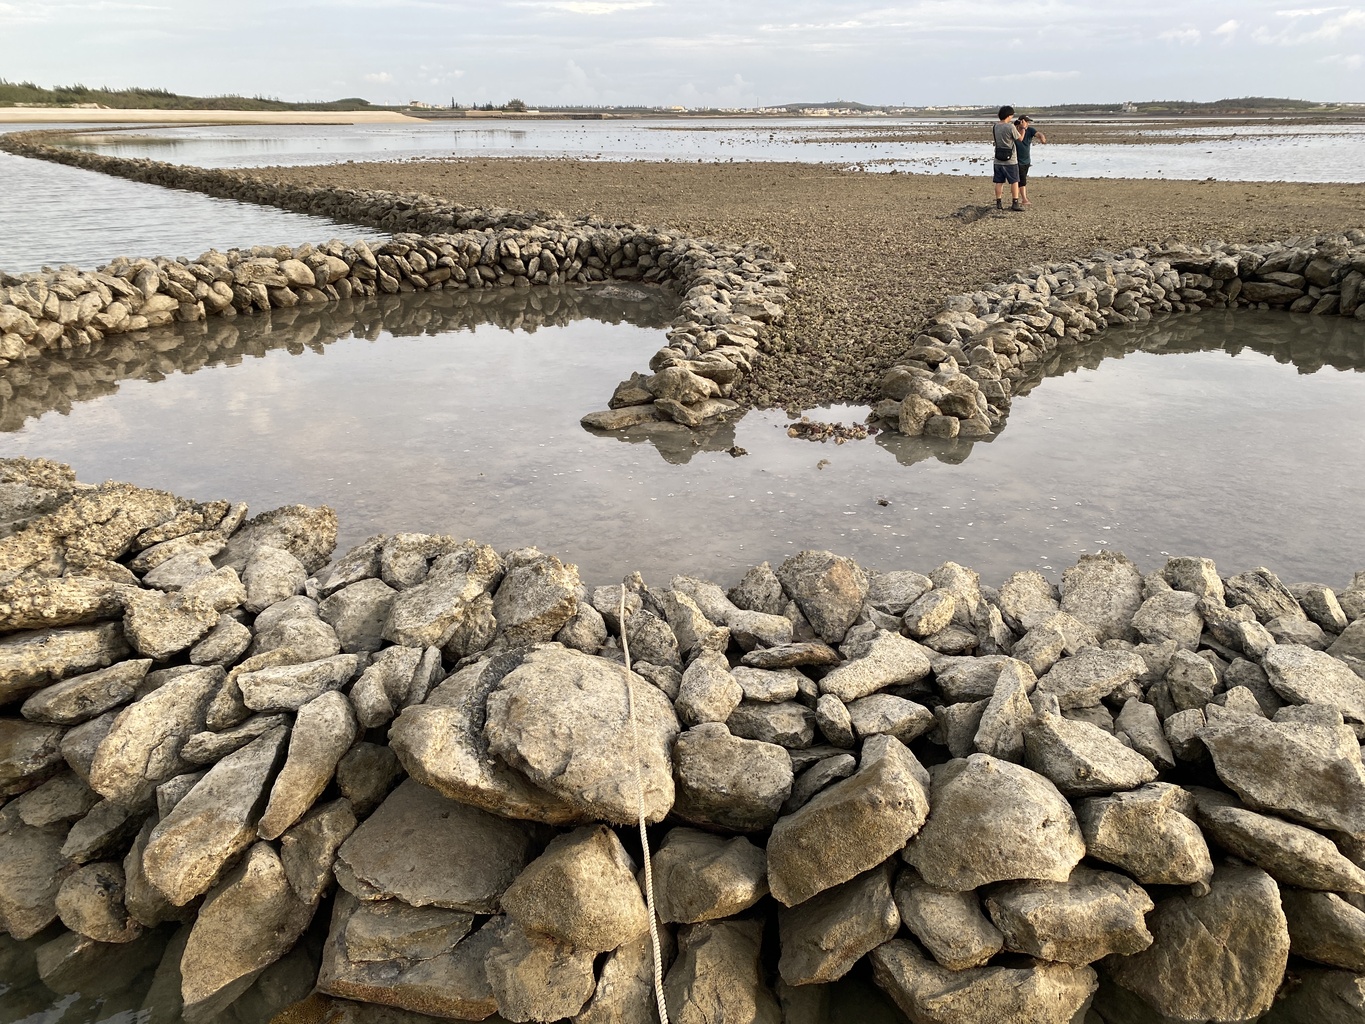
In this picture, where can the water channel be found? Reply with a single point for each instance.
(1264, 151)
(458, 413)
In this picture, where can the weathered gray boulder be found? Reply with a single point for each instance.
(1324, 928)
(295, 638)
(829, 590)
(441, 744)
(625, 984)
(309, 534)
(271, 575)
(560, 718)
(384, 686)
(884, 714)
(1147, 833)
(950, 925)
(1087, 917)
(213, 823)
(358, 613)
(771, 686)
(1082, 759)
(87, 696)
(586, 631)
(290, 687)
(1262, 592)
(39, 603)
(1171, 615)
(32, 660)
(30, 753)
(699, 876)
(1320, 997)
(366, 773)
(536, 977)
(993, 821)
(850, 827)
(1091, 675)
(1289, 853)
(1191, 681)
(694, 632)
(1215, 957)
(211, 747)
(142, 747)
(324, 730)
(709, 692)
(929, 614)
(102, 833)
(716, 976)
(428, 850)
(1304, 676)
(1198, 576)
(834, 721)
(535, 600)
(309, 848)
(144, 902)
(31, 868)
(434, 968)
(428, 614)
(728, 781)
(61, 799)
(1046, 993)
(1026, 599)
(72, 964)
(1104, 591)
(793, 655)
(888, 660)
(1320, 604)
(761, 591)
(1006, 716)
(161, 625)
(581, 891)
(789, 724)
(247, 923)
(1305, 765)
(90, 902)
(825, 936)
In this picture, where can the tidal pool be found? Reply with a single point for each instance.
(1238, 436)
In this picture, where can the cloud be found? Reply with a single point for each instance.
(1033, 76)
(594, 7)
(1350, 61)
(1307, 12)
(1228, 28)
(379, 77)
(1182, 36)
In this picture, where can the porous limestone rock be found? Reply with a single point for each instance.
(699, 876)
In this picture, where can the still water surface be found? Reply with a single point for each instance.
(1238, 436)
(1259, 152)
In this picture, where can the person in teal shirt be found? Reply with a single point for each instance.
(1024, 149)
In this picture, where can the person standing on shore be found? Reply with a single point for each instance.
(1024, 150)
(1006, 166)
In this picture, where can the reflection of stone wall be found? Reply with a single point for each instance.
(730, 294)
(58, 380)
(983, 347)
(1309, 344)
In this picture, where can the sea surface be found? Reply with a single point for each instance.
(1238, 151)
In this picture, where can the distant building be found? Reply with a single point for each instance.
(1129, 108)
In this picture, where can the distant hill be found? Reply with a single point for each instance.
(29, 94)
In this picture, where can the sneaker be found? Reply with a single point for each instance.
(1017, 207)
(999, 205)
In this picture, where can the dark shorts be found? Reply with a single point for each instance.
(1023, 174)
(1006, 174)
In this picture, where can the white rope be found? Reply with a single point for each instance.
(644, 836)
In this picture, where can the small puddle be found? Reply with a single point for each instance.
(1232, 435)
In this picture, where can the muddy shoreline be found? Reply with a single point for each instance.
(874, 253)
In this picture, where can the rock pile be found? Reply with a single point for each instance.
(1137, 794)
(975, 354)
(731, 295)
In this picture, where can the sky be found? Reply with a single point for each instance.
(693, 52)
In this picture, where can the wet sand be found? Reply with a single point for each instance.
(875, 253)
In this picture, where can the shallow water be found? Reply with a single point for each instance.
(1260, 152)
(1237, 436)
(51, 215)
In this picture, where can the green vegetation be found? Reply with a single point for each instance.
(29, 94)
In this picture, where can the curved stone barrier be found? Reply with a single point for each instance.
(976, 352)
(1141, 789)
(731, 295)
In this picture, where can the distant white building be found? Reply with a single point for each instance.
(1129, 108)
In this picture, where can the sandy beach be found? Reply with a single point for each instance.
(874, 253)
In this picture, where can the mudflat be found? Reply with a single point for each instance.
(875, 253)
(111, 115)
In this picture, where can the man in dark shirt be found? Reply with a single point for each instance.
(1024, 150)
(1006, 165)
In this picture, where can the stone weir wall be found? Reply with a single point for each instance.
(982, 346)
(1126, 796)
(731, 295)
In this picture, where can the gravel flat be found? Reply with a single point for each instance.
(875, 253)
